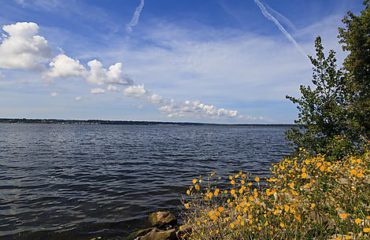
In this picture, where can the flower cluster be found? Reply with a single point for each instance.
(305, 198)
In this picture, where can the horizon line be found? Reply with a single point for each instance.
(142, 122)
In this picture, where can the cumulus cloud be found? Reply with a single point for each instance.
(78, 98)
(135, 91)
(135, 18)
(175, 109)
(22, 48)
(64, 66)
(196, 108)
(97, 91)
(99, 75)
(155, 98)
(53, 94)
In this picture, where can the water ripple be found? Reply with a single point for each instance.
(77, 181)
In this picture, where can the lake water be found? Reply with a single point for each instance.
(69, 181)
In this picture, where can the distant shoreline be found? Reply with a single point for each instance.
(126, 122)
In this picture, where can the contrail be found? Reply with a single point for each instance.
(280, 27)
(135, 18)
(281, 18)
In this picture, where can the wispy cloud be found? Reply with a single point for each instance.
(135, 18)
(270, 17)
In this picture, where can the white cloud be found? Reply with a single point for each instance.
(63, 66)
(53, 94)
(78, 98)
(155, 98)
(22, 48)
(135, 91)
(174, 109)
(99, 75)
(97, 91)
(196, 108)
(112, 88)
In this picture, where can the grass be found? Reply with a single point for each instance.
(305, 198)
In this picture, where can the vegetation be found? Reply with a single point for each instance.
(322, 190)
(305, 198)
(334, 113)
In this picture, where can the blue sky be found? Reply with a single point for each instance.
(230, 61)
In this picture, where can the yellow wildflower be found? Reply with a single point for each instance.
(217, 191)
(286, 208)
(358, 221)
(257, 179)
(195, 181)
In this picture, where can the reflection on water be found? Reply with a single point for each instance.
(60, 181)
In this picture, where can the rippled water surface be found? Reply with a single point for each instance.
(77, 181)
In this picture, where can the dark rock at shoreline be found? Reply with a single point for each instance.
(162, 219)
(164, 227)
(157, 234)
(154, 234)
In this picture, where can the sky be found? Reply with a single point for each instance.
(217, 61)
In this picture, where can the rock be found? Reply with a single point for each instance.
(162, 218)
(139, 233)
(156, 234)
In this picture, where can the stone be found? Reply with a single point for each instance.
(136, 235)
(156, 234)
(162, 218)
